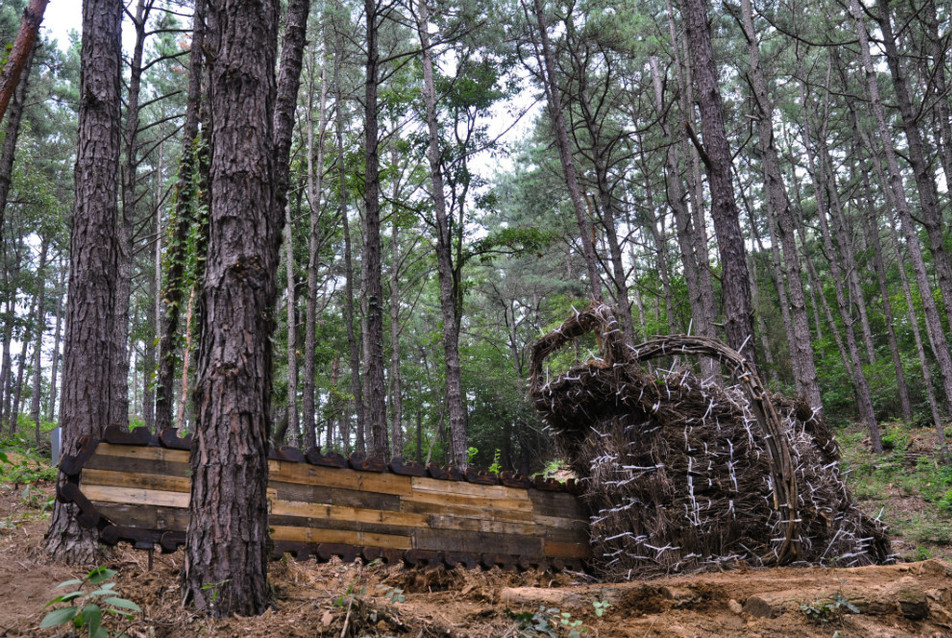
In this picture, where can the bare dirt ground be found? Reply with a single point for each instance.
(353, 600)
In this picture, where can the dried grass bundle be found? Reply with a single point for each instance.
(684, 474)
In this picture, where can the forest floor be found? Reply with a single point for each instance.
(911, 598)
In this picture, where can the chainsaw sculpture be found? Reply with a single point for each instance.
(135, 487)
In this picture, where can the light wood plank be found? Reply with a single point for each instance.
(144, 452)
(383, 483)
(109, 494)
(344, 513)
(126, 479)
(311, 535)
(557, 549)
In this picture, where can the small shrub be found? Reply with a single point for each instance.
(87, 604)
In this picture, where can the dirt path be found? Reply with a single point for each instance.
(334, 599)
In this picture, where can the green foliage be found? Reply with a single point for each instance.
(29, 467)
(601, 607)
(828, 611)
(86, 605)
(548, 621)
(392, 594)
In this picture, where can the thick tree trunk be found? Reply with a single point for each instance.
(18, 58)
(226, 555)
(444, 265)
(735, 279)
(182, 220)
(88, 359)
(554, 101)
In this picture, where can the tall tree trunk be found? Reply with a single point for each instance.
(934, 330)
(353, 341)
(554, 102)
(870, 226)
(182, 220)
(396, 376)
(227, 540)
(21, 368)
(931, 213)
(735, 279)
(293, 423)
(88, 359)
(801, 350)
(18, 58)
(288, 83)
(119, 413)
(57, 332)
(444, 265)
(374, 383)
(315, 176)
(40, 326)
(12, 131)
(822, 187)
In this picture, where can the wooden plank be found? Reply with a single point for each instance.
(477, 542)
(135, 459)
(556, 504)
(473, 524)
(323, 495)
(435, 506)
(110, 494)
(142, 480)
(381, 483)
(304, 535)
(474, 490)
(150, 453)
(553, 522)
(348, 526)
(343, 513)
(145, 516)
(554, 549)
(514, 506)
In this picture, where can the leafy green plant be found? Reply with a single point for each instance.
(827, 611)
(87, 604)
(601, 606)
(496, 467)
(551, 622)
(392, 594)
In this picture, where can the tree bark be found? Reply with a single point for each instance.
(40, 325)
(20, 52)
(554, 101)
(444, 265)
(88, 359)
(227, 545)
(8, 151)
(934, 330)
(57, 332)
(931, 213)
(293, 423)
(119, 413)
(735, 279)
(315, 176)
(801, 350)
(822, 187)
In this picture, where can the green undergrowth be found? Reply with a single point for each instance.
(909, 486)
